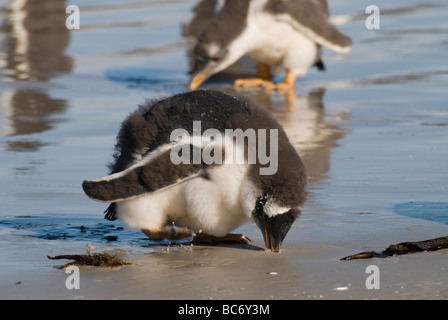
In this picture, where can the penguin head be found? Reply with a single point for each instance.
(225, 40)
(210, 57)
(273, 221)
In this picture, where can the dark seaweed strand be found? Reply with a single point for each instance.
(403, 248)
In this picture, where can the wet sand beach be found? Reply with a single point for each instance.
(372, 131)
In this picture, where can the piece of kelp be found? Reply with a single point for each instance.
(403, 248)
(96, 259)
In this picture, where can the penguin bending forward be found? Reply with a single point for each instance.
(279, 35)
(204, 162)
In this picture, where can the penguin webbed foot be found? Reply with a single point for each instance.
(228, 238)
(252, 82)
(285, 86)
(168, 233)
(281, 86)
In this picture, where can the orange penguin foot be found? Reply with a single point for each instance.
(253, 82)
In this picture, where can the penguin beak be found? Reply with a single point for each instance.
(275, 228)
(199, 78)
(268, 242)
(272, 241)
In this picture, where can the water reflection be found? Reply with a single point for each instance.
(30, 111)
(307, 125)
(34, 45)
(37, 38)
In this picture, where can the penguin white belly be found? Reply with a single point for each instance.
(280, 44)
(152, 210)
(211, 205)
(214, 204)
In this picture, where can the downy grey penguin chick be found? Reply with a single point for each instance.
(205, 161)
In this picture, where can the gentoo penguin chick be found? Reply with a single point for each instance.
(282, 34)
(204, 161)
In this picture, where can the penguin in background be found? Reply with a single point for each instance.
(279, 35)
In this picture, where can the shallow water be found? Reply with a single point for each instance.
(372, 129)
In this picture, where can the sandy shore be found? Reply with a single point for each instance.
(304, 271)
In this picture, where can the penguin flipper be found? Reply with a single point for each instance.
(319, 28)
(144, 177)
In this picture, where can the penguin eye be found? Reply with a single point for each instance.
(214, 59)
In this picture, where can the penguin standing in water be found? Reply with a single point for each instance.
(199, 160)
(282, 34)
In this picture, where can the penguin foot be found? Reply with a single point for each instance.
(286, 85)
(282, 86)
(228, 238)
(253, 82)
(168, 233)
